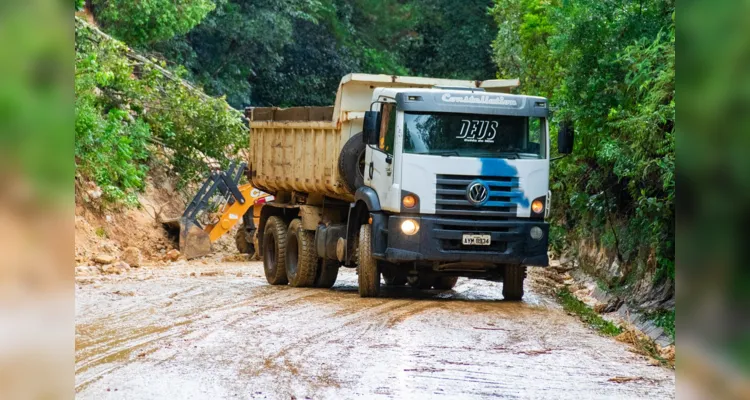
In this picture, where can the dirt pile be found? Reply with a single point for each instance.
(105, 235)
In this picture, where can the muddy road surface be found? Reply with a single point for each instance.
(219, 331)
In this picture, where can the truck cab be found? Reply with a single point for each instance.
(461, 177)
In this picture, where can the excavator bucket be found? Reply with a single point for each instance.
(194, 241)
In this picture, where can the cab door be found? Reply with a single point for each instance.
(379, 159)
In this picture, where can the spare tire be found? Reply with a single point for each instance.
(352, 162)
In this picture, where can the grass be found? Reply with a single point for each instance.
(664, 319)
(590, 317)
(640, 342)
(101, 232)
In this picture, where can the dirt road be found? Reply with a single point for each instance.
(224, 333)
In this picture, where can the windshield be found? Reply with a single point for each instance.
(472, 135)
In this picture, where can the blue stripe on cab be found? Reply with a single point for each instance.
(498, 167)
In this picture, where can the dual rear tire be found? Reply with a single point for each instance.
(289, 256)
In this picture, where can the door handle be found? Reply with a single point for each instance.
(372, 167)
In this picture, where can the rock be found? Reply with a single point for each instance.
(132, 256)
(614, 272)
(104, 259)
(86, 270)
(108, 248)
(173, 255)
(116, 268)
(606, 302)
(94, 194)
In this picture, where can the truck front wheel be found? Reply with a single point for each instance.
(274, 251)
(513, 277)
(367, 270)
(301, 257)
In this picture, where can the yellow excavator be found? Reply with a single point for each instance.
(217, 207)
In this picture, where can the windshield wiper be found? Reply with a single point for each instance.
(441, 153)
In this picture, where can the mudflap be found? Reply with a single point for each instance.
(194, 241)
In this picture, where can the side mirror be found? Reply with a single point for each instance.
(565, 137)
(371, 127)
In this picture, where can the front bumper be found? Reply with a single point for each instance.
(439, 239)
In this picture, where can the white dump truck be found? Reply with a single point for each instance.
(408, 179)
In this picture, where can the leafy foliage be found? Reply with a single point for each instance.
(294, 52)
(609, 67)
(665, 319)
(125, 105)
(453, 42)
(145, 21)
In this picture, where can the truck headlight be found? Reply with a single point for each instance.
(409, 227)
(536, 233)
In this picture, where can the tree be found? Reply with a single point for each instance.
(609, 67)
(453, 42)
(147, 21)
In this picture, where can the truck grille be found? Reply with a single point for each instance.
(450, 196)
(457, 216)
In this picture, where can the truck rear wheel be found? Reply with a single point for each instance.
(513, 277)
(328, 271)
(352, 162)
(301, 257)
(367, 270)
(274, 251)
(445, 282)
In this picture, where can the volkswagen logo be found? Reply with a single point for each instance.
(477, 193)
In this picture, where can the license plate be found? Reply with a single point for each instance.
(472, 239)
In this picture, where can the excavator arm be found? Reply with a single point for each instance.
(234, 201)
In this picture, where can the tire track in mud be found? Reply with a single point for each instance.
(110, 341)
(257, 340)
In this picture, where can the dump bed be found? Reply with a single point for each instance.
(297, 149)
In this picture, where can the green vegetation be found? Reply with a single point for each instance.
(574, 306)
(609, 67)
(146, 21)
(664, 319)
(101, 232)
(294, 52)
(126, 105)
